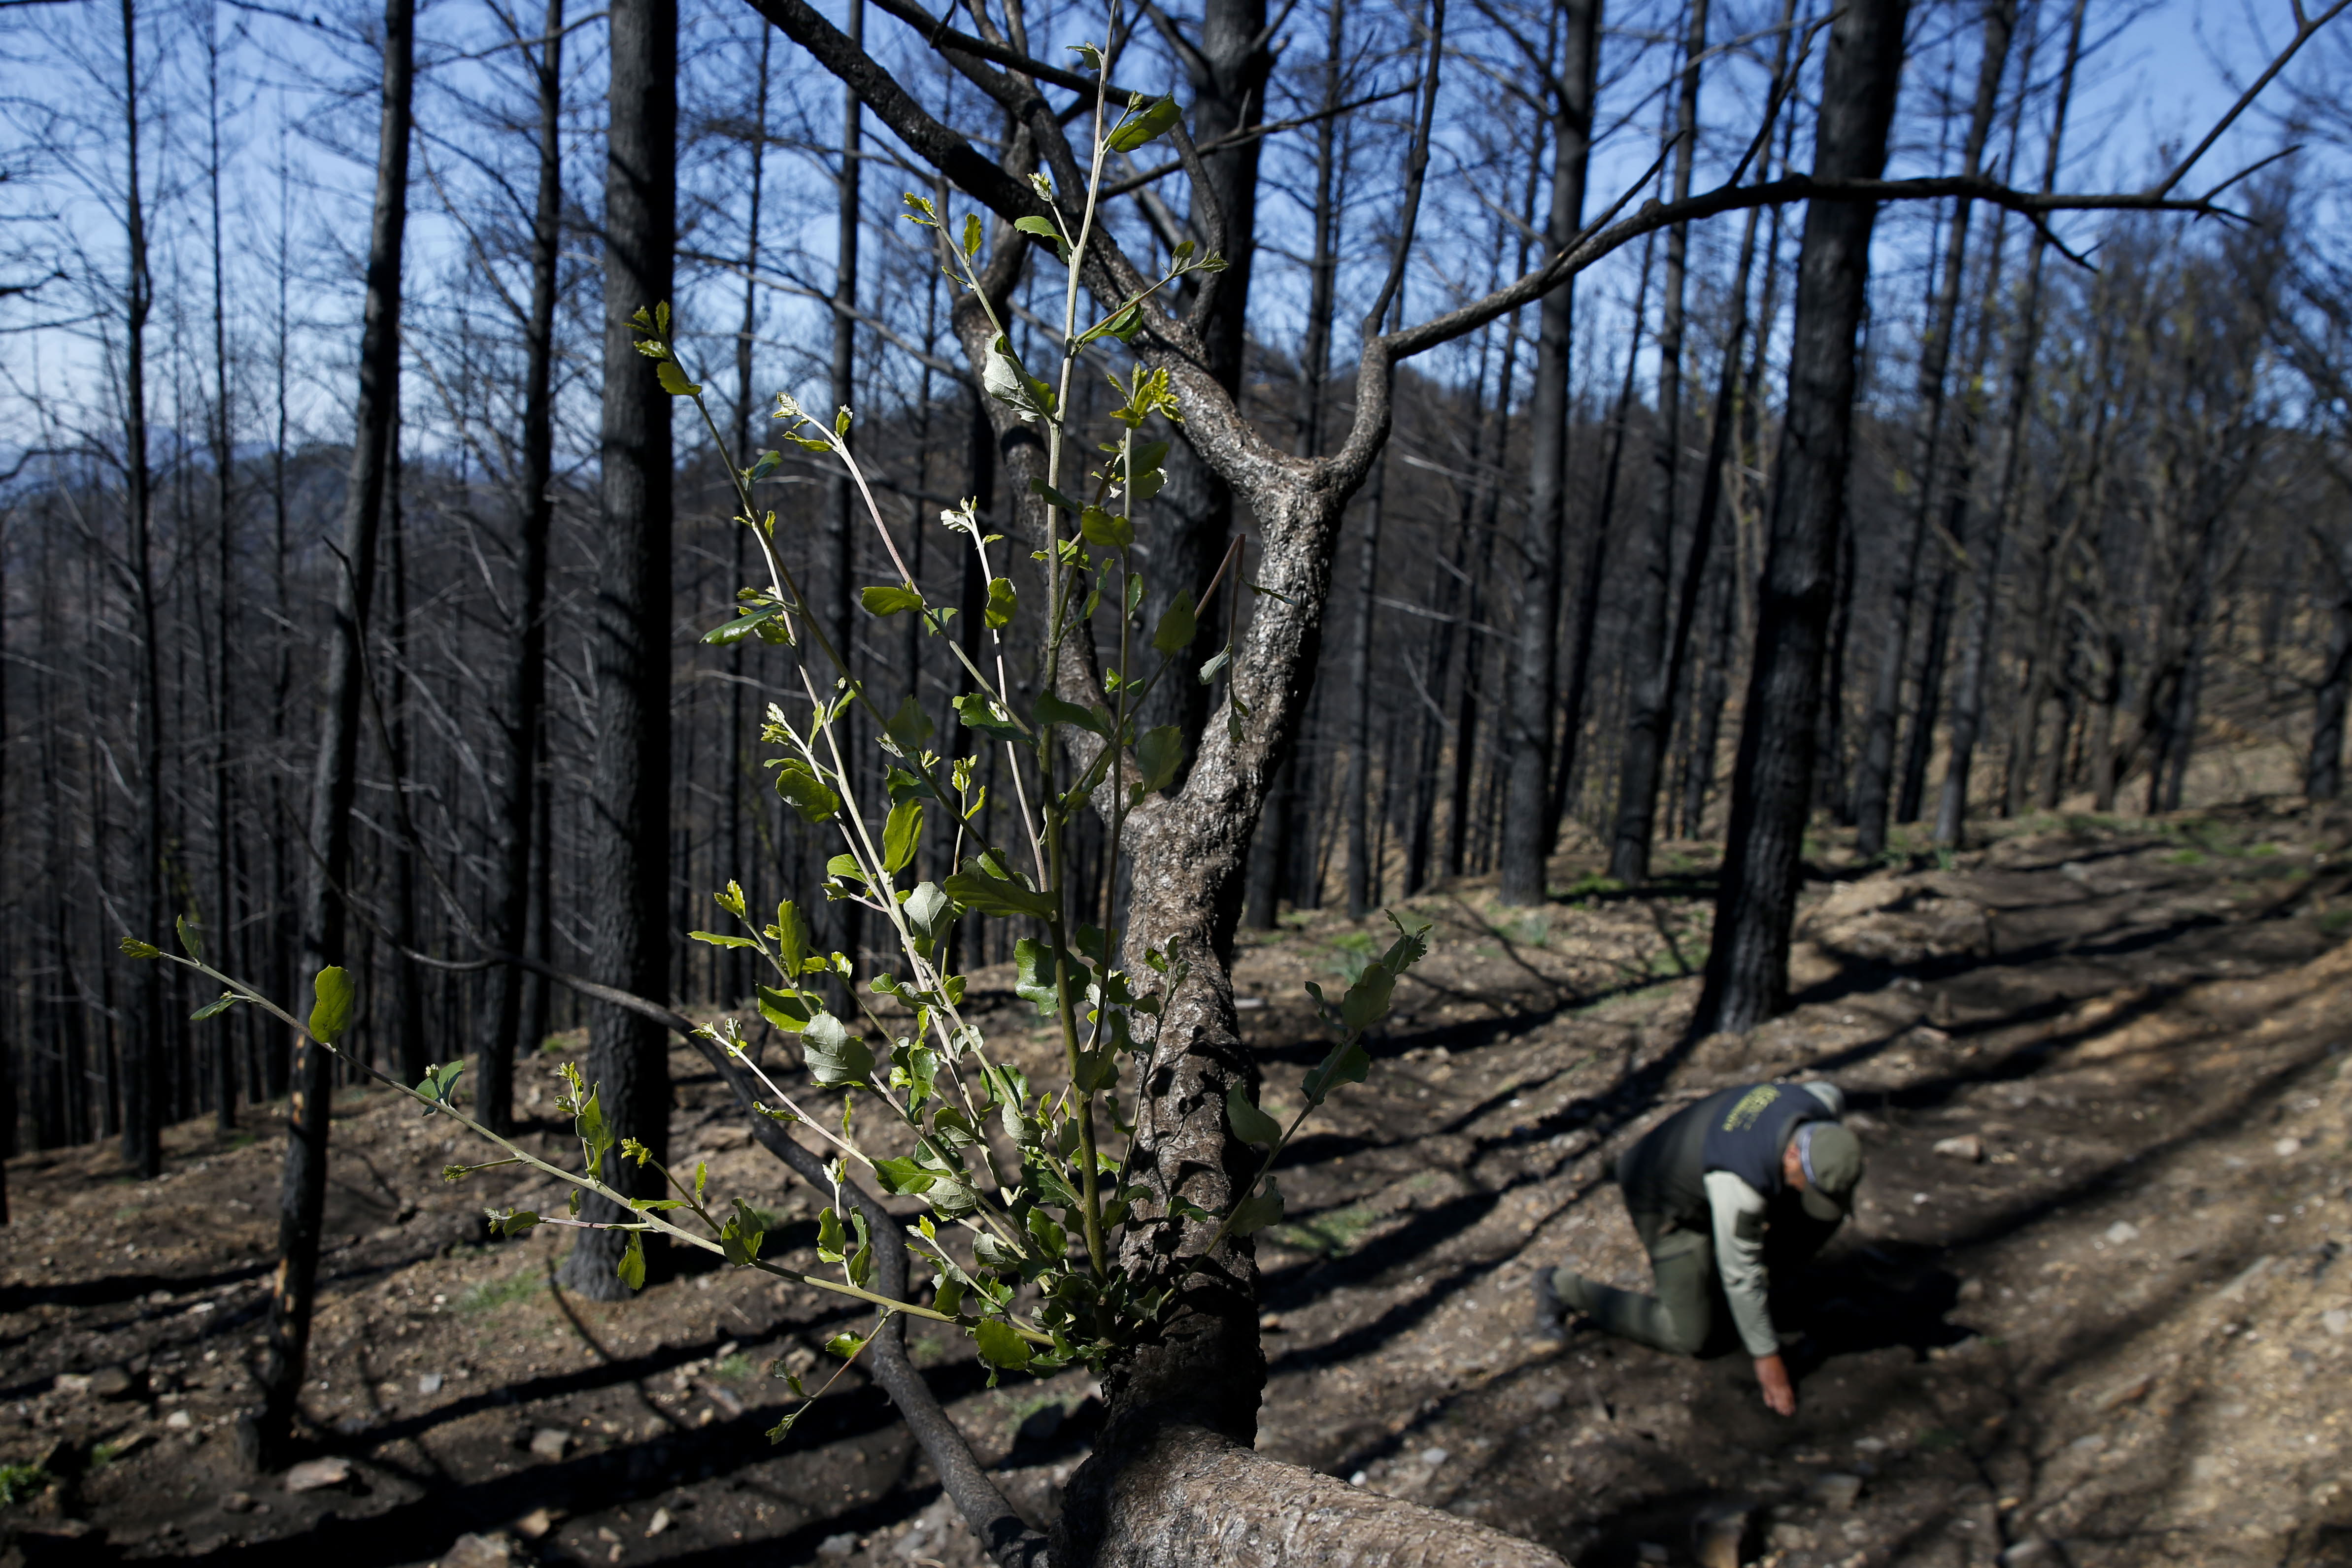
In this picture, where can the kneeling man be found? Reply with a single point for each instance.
(1750, 1176)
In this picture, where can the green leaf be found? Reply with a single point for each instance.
(829, 1235)
(1041, 228)
(1367, 1001)
(909, 726)
(1107, 530)
(766, 463)
(1250, 1124)
(1347, 1063)
(331, 1013)
(214, 1009)
(1033, 973)
(1001, 603)
(1052, 709)
(1052, 1240)
(1002, 379)
(513, 1222)
(588, 1123)
(785, 1010)
(835, 1055)
(889, 598)
(1156, 121)
(133, 947)
(1158, 756)
(192, 937)
(633, 1263)
(1255, 1213)
(792, 937)
(990, 1252)
(972, 235)
(843, 1345)
(1054, 497)
(743, 626)
(977, 712)
(439, 1083)
(1097, 1069)
(860, 1267)
(673, 382)
(806, 793)
(904, 1176)
(1176, 627)
(997, 894)
(928, 911)
(1000, 1345)
(719, 939)
(741, 1236)
(901, 834)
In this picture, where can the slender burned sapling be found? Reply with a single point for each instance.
(1022, 1187)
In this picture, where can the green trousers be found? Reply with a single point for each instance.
(1689, 1315)
(1681, 1318)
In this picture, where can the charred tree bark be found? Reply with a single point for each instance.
(1699, 572)
(1531, 689)
(1575, 691)
(1748, 967)
(510, 893)
(222, 921)
(1874, 776)
(144, 1110)
(1976, 643)
(842, 503)
(303, 1193)
(628, 1056)
(1650, 696)
(2323, 774)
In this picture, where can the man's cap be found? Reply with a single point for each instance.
(1834, 1166)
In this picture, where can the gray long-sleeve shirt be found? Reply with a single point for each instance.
(1738, 1211)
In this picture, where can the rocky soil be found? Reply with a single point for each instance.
(2095, 1308)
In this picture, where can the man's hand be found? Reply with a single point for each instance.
(1772, 1376)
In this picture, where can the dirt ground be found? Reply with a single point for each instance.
(2093, 1308)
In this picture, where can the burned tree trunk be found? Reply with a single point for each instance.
(1532, 689)
(509, 897)
(629, 633)
(334, 780)
(1748, 967)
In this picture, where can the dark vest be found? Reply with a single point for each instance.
(1741, 1130)
(1746, 1136)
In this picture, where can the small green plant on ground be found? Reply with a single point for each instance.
(492, 1294)
(2336, 921)
(21, 1483)
(1023, 1189)
(1351, 951)
(2185, 857)
(1532, 930)
(1332, 1235)
(1594, 884)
